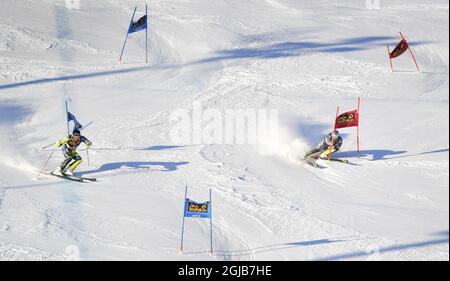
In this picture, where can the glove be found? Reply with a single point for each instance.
(87, 145)
(58, 143)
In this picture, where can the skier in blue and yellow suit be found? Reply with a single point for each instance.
(72, 158)
(329, 145)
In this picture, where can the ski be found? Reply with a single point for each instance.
(72, 178)
(337, 160)
(344, 161)
(312, 162)
(88, 179)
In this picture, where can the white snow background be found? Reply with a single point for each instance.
(302, 58)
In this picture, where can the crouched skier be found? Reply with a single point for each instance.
(329, 145)
(72, 158)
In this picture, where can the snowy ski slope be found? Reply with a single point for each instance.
(302, 58)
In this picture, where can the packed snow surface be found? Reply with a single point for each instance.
(300, 58)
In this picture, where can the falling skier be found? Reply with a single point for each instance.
(329, 145)
(72, 158)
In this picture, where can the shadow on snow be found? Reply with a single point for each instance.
(273, 51)
(136, 166)
(394, 248)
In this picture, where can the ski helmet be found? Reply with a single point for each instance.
(76, 132)
(335, 134)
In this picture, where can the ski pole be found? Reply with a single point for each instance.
(330, 148)
(87, 125)
(45, 165)
(87, 155)
(47, 146)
